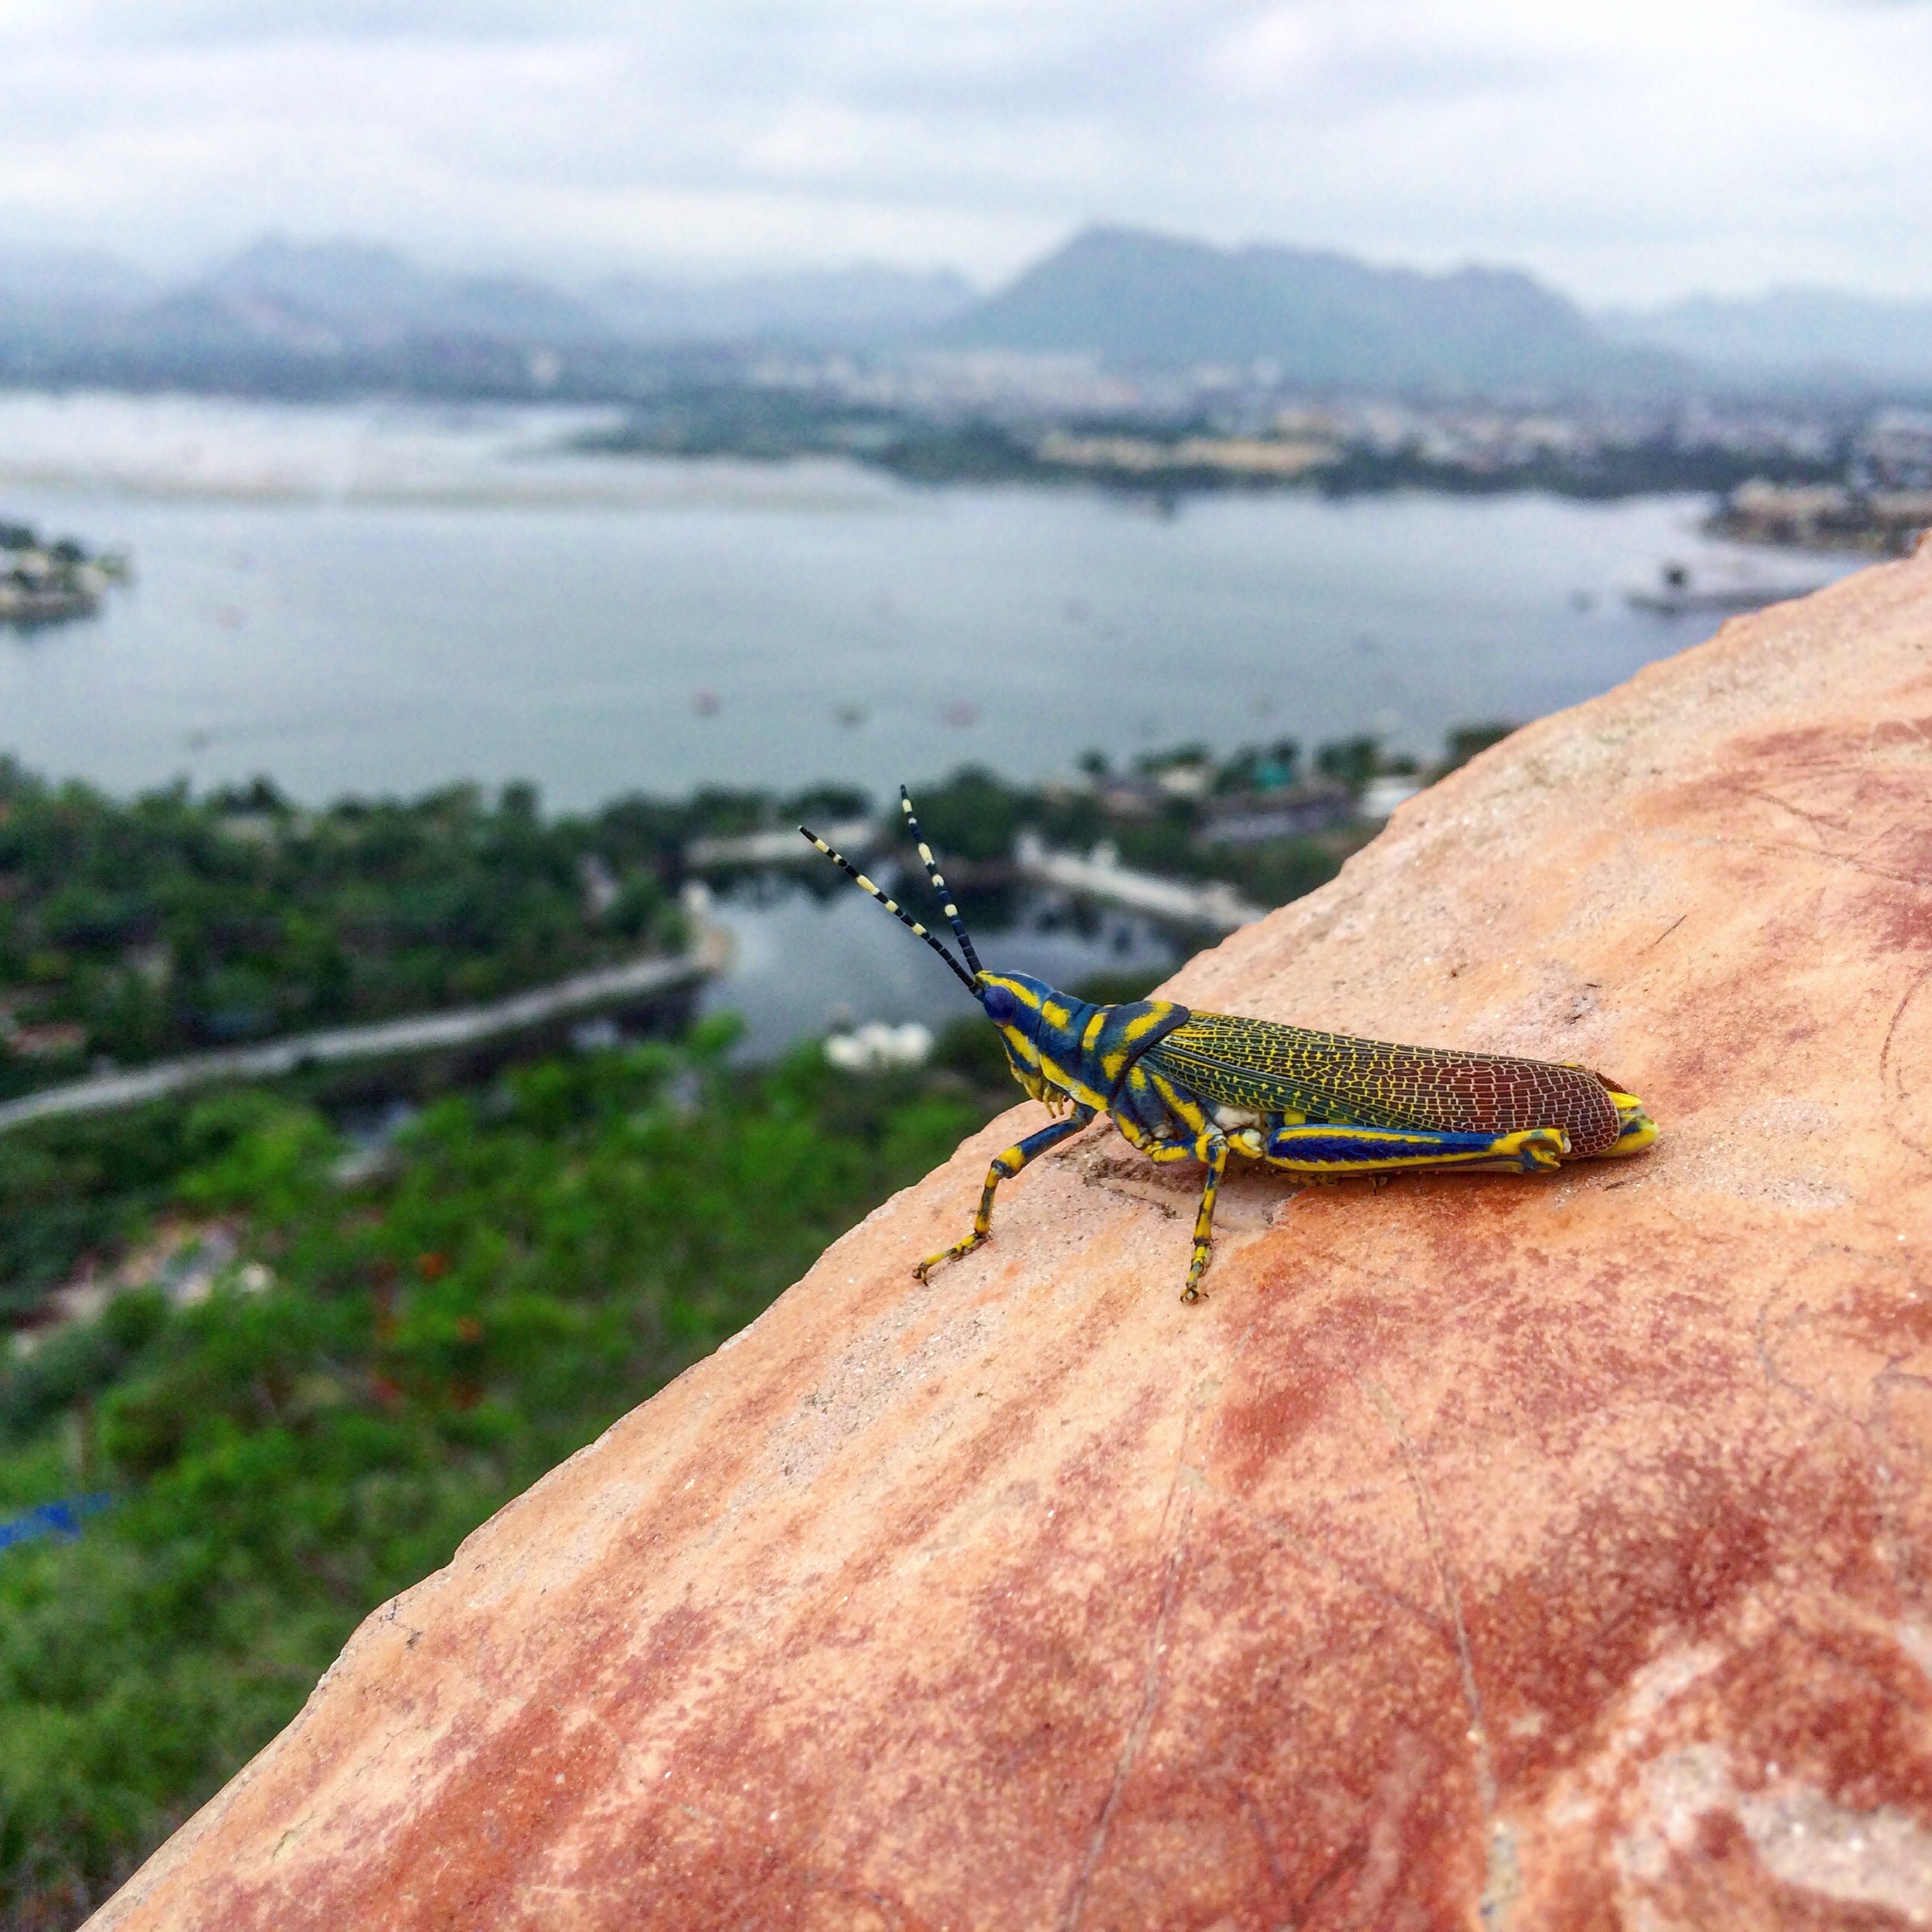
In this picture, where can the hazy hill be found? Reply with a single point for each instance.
(309, 302)
(1142, 300)
(56, 286)
(1801, 333)
(839, 308)
(355, 292)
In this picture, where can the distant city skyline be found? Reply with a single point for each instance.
(1628, 155)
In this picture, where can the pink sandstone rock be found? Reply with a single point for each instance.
(1487, 1551)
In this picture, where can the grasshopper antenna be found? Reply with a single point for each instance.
(939, 885)
(892, 906)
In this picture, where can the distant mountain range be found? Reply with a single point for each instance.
(333, 317)
(1793, 334)
(1329, 320)
(1324, 319)
(42, 288)
(353, 293)
(333, 295)
(839, 308)
(317, 317)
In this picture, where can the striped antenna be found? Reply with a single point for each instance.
(938, 884)
(892, 906)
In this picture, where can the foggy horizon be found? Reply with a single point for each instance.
(1627, 157)
(698, 275)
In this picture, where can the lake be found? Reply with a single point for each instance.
(384, 598)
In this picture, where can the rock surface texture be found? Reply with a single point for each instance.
(1488, 1551)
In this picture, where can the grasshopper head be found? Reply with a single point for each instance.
(1014, 1003)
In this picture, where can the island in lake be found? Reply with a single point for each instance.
(48, 583)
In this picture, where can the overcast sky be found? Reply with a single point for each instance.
(1629, 152)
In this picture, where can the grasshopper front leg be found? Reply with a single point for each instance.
(1004, 1167)
(1209, 1146)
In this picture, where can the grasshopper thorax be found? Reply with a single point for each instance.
(1061, 1048)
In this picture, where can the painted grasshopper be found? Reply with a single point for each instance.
(1187, 1086)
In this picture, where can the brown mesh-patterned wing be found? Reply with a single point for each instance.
(1259, 1064)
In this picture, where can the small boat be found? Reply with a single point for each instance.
(1679, 593)
(36, 604)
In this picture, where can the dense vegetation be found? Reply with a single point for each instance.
(170, 922)
(525, 1265)
(131, 931)
(137, 929)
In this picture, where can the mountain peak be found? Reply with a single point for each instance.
(1137, 298)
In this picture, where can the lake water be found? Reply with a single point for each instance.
(383, 599)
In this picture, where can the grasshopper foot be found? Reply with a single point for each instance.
(1194, 1291)
(958, 1251)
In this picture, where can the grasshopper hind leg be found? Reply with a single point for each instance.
(1331, 1150)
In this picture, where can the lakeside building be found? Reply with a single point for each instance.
(1825, 516)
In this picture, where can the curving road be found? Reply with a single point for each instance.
(463, 1026)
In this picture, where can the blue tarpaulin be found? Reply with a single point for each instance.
(57, 1519)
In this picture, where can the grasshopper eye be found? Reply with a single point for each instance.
(999, 1004)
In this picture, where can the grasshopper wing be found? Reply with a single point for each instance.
(1266, 1068)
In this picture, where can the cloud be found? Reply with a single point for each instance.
(1629, 150)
